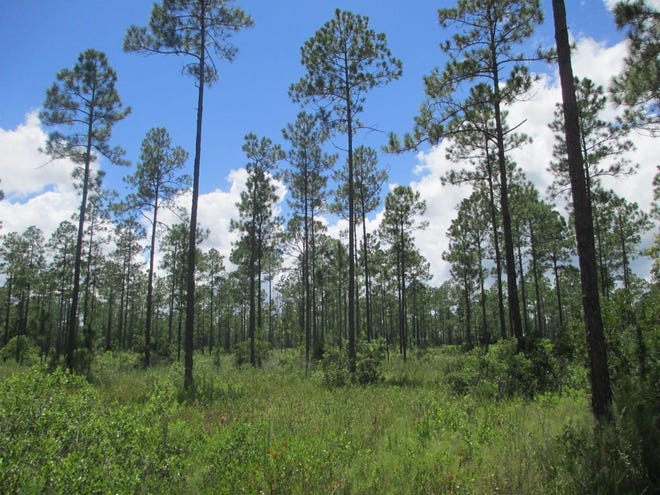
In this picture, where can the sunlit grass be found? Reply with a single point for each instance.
(278, 430)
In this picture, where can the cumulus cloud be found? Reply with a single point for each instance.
(441, 203)
(590, 59)
(216, 209)
(37, 191)
(24, 169)
(41, 192)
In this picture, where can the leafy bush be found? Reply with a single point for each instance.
(292, 360)
(601, 460)
(368, 362)
(242, 352)
(502, 372)
(27, 350)
(334, 367)
(113, 362)
(460, 370)
(56, 437)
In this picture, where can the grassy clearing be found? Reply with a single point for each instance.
(274, 430)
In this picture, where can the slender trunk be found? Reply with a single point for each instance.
(484, 321)
(270, 308)
(170, 319)
(523, 292)
(88, 270)
(179, 325)
(496, 245)
(340, 295)
(260, 244)
(601, 394)
(468, 312)
(624, 254)
(108, 328)
(22, 328)
(602, 267)
(555, 269)
(305, 275)
(312, 276)
(150, 284)
(403, 316)
(192, 239)
(351, 230)
(399, 278)
(8, 309)
(367, 285)
(252, 317)
(537, 290)
(73, 310)
(512, 289)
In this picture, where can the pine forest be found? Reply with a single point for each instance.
(311, 359)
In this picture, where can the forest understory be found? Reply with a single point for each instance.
(446, 421)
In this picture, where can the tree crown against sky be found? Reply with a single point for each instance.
(415, 41)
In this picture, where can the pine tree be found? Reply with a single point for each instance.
(84, 101)
(345, 59)
(198, 30)
(156, 183)
(601, 392)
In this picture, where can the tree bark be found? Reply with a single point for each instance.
(601, 394)
(192, 239)
(73, 310)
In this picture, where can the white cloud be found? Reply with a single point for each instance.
(37, 192)
(216, 210)
(597, 61)
(590, 59)
(42, 194)
(19, 151)
(441, 203)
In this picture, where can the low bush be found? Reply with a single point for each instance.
(334, 368)
(21, 349)
(242, 353)
(502, 371)
(56, 437)
(368, 362)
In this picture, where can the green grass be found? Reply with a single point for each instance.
(276, 431)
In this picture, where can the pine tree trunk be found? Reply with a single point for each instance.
(73, 310)
(192, 239)
(601, 395)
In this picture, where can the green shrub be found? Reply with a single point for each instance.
(422, 353)
(502, 372)
(460, 371)
(292, 360)
(368, 362)
(57, 437)
(334, 368)
(242, 353)
(24, 347)
(113, 362)
(621, 456)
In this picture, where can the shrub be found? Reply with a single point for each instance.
(334, 367)
(28, 352)
(242, 352)
(502, 372)
(57, 437)
(368, 362)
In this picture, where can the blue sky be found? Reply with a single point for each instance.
(251, 96)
